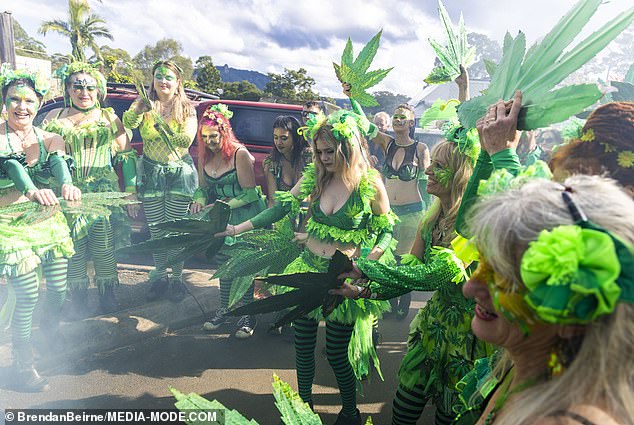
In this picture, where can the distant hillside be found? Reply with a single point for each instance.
(229, 75)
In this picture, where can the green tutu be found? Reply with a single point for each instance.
(24, 247)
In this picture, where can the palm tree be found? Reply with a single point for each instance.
(83, 28)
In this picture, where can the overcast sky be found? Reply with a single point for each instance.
(270, 35)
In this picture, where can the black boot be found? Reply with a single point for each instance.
(348, 420)
(158, 289)
(26, 378)
(78, 304)
(108, 301)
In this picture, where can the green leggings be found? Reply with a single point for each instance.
(337, 340)
(98, 244)
(26, 294)
(159, 210)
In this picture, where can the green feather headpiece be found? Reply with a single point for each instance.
(466, 140)
(8, 75)
(223, 109)
(91, 69)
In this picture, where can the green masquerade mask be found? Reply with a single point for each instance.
(67, 70)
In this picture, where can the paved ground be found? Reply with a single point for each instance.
(129, 358)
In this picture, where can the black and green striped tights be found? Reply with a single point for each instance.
(337, 339)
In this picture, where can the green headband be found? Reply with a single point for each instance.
(8, 75)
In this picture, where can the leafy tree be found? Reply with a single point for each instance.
(82, 28)
(164, 49)
(291, 86)
(207, 75)
(243, 90)
(388, 102)
(25, 45)
(485, 49)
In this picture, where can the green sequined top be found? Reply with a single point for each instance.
(93, 149)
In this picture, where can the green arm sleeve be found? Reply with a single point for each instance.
(59, 169)
(128, 167)
(247, 197)
(271, 215)
(18, 175)
(389, 282)
(369, 129)
(131, 119)
(180, 140)
(482, 171)
(508, 160)
(383, 240)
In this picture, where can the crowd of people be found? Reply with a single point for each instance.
(532, 265)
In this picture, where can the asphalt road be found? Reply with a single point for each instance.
(113, 365)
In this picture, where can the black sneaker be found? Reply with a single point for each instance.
(158, 289)
(246, 326)
(217, 320)
(348, 420)
(177, 291)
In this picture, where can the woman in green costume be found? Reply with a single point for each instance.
(441, 346)
(167, 178)
(96, 140)
(349, 209)
(28, 157)
(226, 173)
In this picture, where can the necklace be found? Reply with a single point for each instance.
(23, 139)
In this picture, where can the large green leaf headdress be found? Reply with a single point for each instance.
(69, 69)
(8, 75)
(456, 53)
(355, 71)
(537, 71)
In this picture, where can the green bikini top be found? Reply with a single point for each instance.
(225, 186)
(37, 172)
(353, 223)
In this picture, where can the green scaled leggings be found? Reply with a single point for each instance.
(158, 210)
(26, 294)
(337, 340)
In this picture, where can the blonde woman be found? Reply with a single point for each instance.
(167, 177)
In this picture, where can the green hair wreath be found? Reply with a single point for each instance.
(467, 140)
(8, 75)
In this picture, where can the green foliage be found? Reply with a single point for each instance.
(440, 111)
(193, 401)
(537, 71)
(243, 90)
(164, 49)
(292, 86)
(387, 101)
(456, 53)
(355, 71)
(207, 75)
(293, 409)
(26, 45)
(82, 28)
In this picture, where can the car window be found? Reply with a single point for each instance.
(255, 125)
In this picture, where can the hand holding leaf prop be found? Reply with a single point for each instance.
(537, 71)
(312, 292)
(456, 53)
(194, 235)
(355, 71)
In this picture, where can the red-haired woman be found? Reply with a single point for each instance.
(226, 173)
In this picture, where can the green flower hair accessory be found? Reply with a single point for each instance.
(443, 175)
(570, 273)
(625, 159)
(223, 109)
(587, 136)
(69, 69)
(8, 75)
(467, 140)
(501, 180)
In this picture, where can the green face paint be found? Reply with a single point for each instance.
(21, 94)
(164, 73)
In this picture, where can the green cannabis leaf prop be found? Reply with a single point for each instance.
(456, 53)
(98, 203)
(537, 71)
(258, 253)
(193, 402)
(312, 292)
(355, 71)
(193, 235)
(440, 111)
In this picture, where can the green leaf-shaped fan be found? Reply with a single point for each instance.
(457, 51)
(355, 72)
(193, 235)
(537, 72)
(312, 292)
